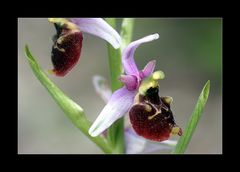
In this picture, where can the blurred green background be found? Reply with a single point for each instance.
(189, 51)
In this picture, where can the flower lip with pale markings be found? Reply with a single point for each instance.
(134, 144)
(67, 46)
(136, 84)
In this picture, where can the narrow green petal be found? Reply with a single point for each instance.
(73, 111)
(193, 121)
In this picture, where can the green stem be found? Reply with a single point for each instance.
(126, 31)
(72, 110)
(116, 131)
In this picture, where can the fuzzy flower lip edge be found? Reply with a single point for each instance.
(123, 98)
(99, 28)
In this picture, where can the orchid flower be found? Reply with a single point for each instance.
(68, 40)
(150, 115)
(134, 144)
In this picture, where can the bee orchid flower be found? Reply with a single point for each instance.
(67, 46)
(150, 115)
(134, 144)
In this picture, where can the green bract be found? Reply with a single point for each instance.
(193, 121)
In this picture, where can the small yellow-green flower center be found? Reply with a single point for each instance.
(151, 81)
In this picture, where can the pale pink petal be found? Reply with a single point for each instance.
(118, 105)
(130, 81)
(136, 144)
(148, 69)
(102, 88)
(128, 62)
(154, 147)
(100, 28)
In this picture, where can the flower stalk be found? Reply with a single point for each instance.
(116, 131)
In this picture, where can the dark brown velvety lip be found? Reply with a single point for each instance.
(152, 117)
(66, 51)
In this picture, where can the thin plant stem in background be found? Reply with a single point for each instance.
(116, 131)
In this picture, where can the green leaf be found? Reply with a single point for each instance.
(193, 121)
(73, 111)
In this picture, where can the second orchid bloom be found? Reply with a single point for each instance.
(150, 115)
(67, 46)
